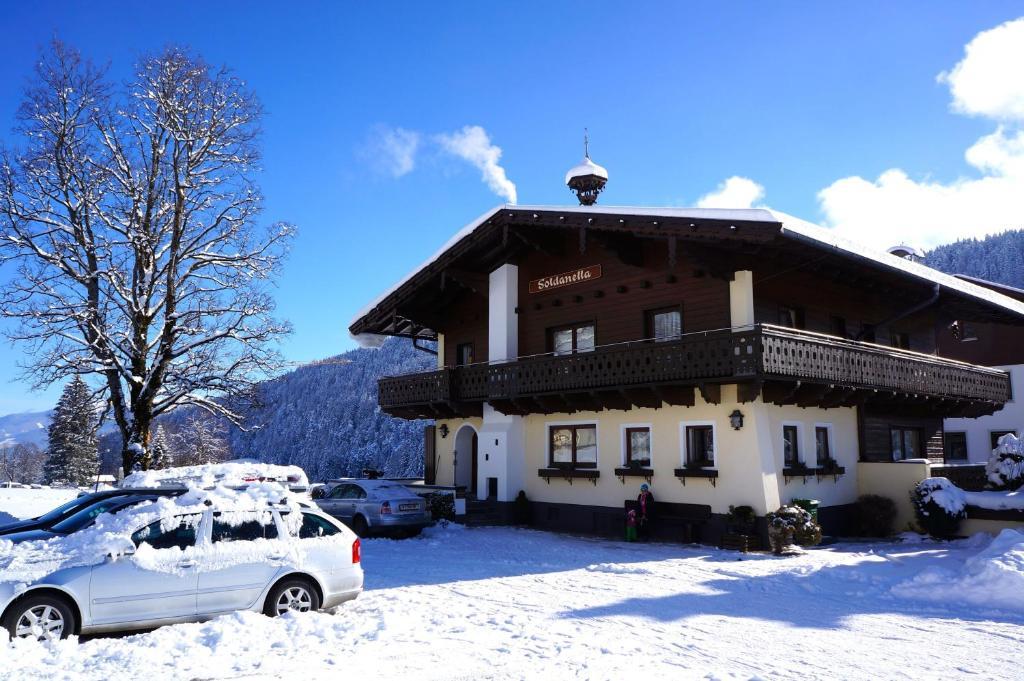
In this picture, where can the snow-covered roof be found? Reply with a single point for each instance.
(787, 225)
(584, 168)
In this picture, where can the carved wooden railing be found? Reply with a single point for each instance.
(787, 353)
(763, 352)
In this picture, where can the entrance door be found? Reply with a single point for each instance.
(472, 480)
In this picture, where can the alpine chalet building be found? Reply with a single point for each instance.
(725, 357)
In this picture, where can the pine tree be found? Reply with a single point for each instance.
(162, 455)
(72, 453)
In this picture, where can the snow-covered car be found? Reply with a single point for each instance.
(238, 473)
(85, 515)
(68, 508)
(188, 558)
(376, 507)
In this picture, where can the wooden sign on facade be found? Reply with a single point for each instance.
(582, 275)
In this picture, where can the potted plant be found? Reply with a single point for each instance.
(829, 465)
(741, 535)
(797, 468)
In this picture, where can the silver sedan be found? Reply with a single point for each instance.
(289, 567)
(376, 507)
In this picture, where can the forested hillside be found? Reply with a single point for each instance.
(996, 258)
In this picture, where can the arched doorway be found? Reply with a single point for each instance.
(465, 459)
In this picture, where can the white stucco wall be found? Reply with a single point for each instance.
(1010, 417)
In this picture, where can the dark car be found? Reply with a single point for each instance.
(83, 515)
(61, 512)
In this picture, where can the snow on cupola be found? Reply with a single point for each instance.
(906, 252)
(586, 179)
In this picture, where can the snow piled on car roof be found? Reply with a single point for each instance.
(229, 474)
(111, 534)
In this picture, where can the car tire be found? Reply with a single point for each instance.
(295, 595)
(360, 526)
(42, 617)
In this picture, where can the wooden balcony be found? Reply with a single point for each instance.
(784, 366)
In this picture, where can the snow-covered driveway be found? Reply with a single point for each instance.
(507, 603)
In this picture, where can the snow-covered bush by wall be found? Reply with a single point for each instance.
(1005, 467)
(792, 525)
(940, 506)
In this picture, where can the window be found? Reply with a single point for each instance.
(638, 446)
(793, 317)
(837, 326)
(867, 333)
(900, 340)
(822, 444)
(790, 445)
(664, 324)
(955, 446)
(464, 354)
(181, 533)
(247, 530)
(996, 434)
(569, 339)
(966, 331)
(315, 526)
(574, 446)
(700, 445)
(906, 443)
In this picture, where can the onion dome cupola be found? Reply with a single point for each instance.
(587, 178)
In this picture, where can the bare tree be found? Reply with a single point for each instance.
(201, 439)
(22, 462)
(130, 213)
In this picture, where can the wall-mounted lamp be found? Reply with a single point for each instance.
(443, 430)
(736, 419)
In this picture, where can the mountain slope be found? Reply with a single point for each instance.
(26, 427)
(998, 258)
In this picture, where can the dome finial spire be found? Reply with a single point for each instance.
(586, 179)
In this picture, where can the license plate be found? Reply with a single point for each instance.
(408, 507)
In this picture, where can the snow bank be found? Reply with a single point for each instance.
(111, 535)
(993, 577)
(230, 474)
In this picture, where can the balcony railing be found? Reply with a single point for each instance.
(756, 355)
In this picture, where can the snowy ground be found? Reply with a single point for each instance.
(497, 603)
(18, 504)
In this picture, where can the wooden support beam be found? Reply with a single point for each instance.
(780, 392)
(811, 395)
(711, 392)
(749, 391)
(643, 397)
(677, 395)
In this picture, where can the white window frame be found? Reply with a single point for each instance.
(801, 451)
(831, 441)
(683, 425)
(622, 441)
(548, 425)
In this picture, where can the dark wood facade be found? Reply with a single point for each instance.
(866, 334)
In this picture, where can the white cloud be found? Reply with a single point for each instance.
(473, 145)
(392, 151)
(989, 80)
(735, 192)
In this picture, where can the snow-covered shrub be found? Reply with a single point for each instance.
(875, 515)
(1005, 467)
(442, 506)
(792, 525)
(939, 505)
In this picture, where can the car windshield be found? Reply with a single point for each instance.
(84, 517)
(66, 508)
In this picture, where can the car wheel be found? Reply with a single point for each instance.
(359, 526)
(292, 595)
(44, 618)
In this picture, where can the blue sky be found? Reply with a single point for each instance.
(677, 96)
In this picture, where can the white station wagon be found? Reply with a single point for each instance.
(187, 561)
